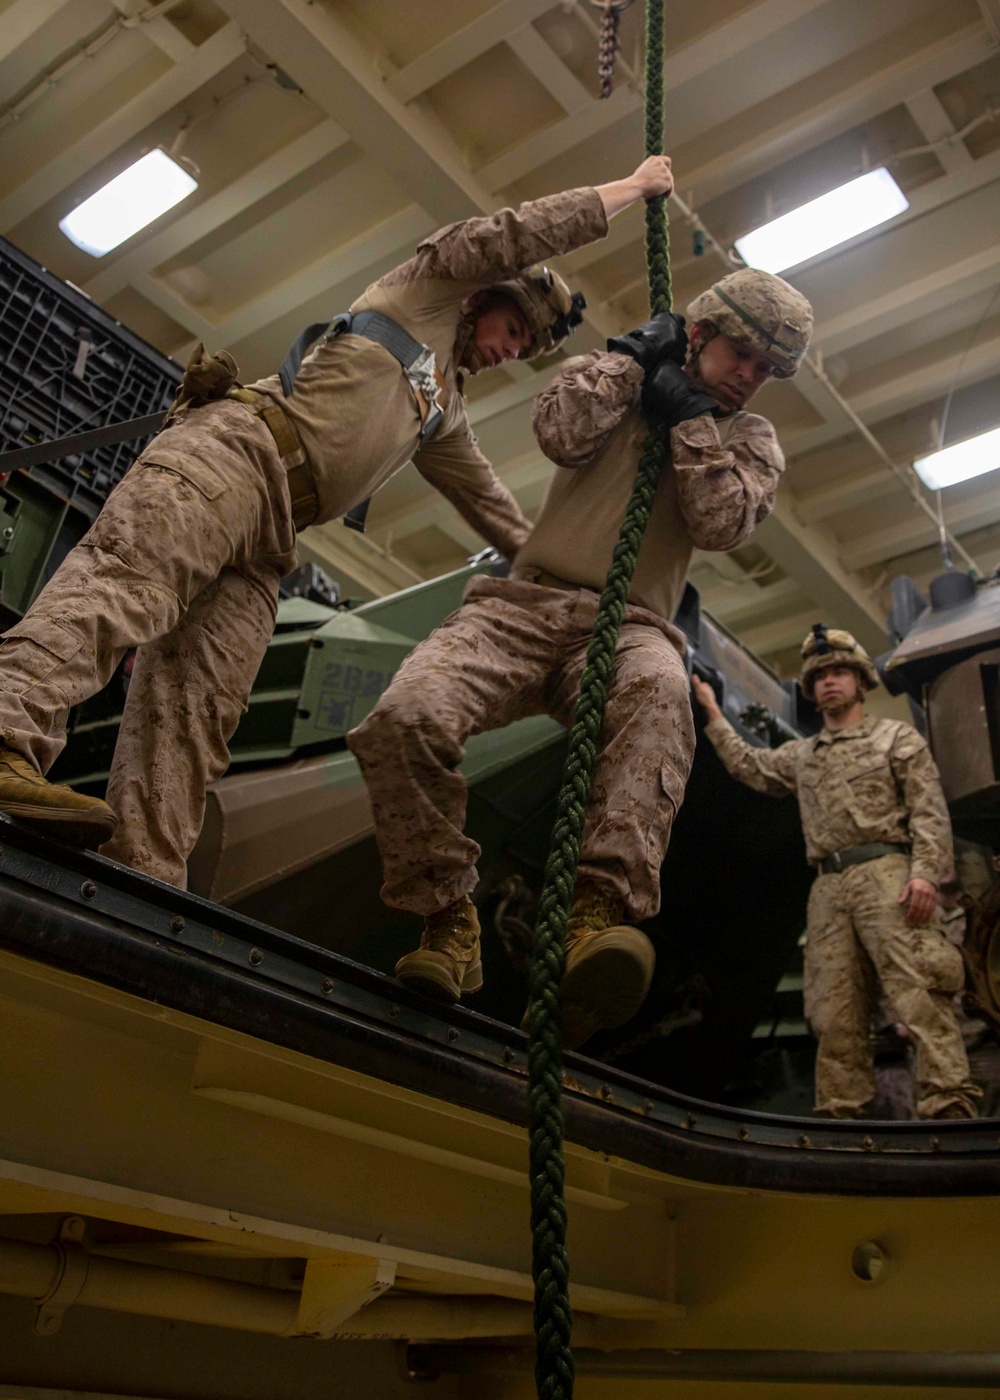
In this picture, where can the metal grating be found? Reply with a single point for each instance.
(66, 366)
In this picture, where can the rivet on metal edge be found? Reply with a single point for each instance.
(88, 889)
(452, 1033)
(647, 1105)
(392, 1010)
(868, 1144)
(804, 1140)
(327, 985)
(256, 957)
(743, 1134)
(605, 1093)
(935, 1143)
(689, 1121)
(177, 925)
(508, 1055)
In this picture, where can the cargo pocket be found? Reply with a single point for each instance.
(33, 649)
(670, 798)
(872, 792)
(940, 963)
(191, 469)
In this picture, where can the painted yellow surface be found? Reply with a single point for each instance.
(362, 1211)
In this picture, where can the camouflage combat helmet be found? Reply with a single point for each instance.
(552, 311)
(760, 310)
(831, 646)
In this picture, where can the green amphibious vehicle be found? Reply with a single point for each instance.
(288, 834)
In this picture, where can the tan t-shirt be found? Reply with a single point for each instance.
(356, 414)
(719, 486)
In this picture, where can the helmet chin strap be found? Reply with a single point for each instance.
(693, 370)
(694, 355)
(467, 354)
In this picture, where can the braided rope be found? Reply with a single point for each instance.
(550, 1259)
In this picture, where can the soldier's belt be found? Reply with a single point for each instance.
(528, 573)
(857, 855)
(301, 482)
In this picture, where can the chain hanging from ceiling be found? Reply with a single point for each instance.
(608, 43)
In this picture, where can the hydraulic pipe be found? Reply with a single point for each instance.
(117, 1285)
(954, 1369)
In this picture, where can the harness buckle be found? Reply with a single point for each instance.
(421, 375)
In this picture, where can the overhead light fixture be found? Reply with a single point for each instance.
(821, 224)
(960, 462)
(128, 203)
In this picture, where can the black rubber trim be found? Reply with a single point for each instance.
(97, 920)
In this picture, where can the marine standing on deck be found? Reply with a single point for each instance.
(185, 558)
(878, 832)
(517, 646)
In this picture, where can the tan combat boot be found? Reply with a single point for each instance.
(447, 962)
(56, 810)
(609, 966)
(957, 1110)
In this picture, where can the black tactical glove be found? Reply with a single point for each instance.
(669, 397)
(662, 338)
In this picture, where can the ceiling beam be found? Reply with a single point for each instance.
(331, 65)
(78, 158)
(544, 63)
(356, 559)
(554, 140)
(905, 300)
(738, 606)
(934, 123)
(810, 555)
(880, 86)
(526, 475)
(762, 142)
(990, 10)
(23, 19)
(158, 29)
(475, 38)
(311, 288)
(781, 633)
(894, 541)
(847, 493)
(900, 388)
(336, 70)
(186, 229)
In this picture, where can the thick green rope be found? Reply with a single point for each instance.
(550, 1260)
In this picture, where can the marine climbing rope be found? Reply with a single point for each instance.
(550, 1260)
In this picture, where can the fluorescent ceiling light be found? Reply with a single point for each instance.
(128, 203)
(859, 205)
(960, 462)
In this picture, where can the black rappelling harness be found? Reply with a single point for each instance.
(416, 361)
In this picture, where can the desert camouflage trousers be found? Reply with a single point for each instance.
(514, 649)
(183, 562)
(858, 937)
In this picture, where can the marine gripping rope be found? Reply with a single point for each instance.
(550, 1260)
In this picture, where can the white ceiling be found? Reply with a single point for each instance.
(332, 134)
